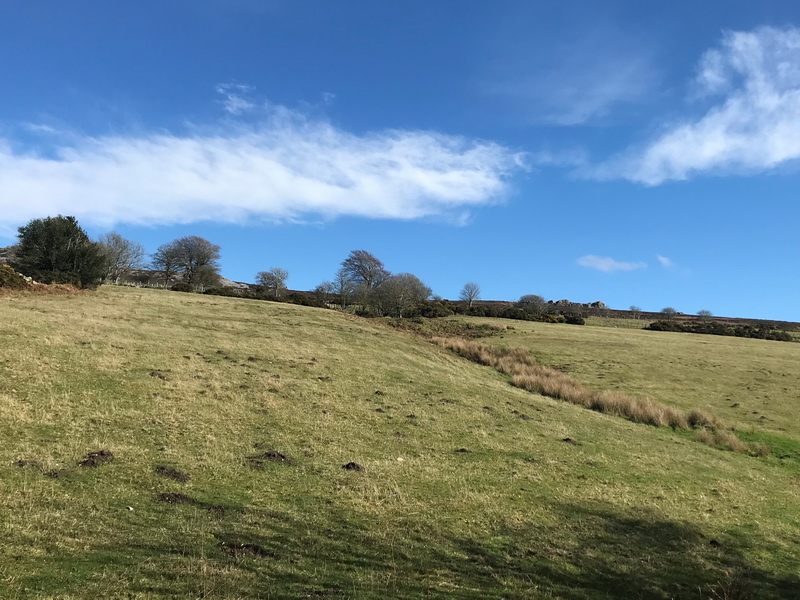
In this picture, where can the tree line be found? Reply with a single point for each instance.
(58, 250)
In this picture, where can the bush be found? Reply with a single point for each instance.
(182, 286)
(57, 250)
(762, 332)
(220, 291)
(575, 320)
(11, 280)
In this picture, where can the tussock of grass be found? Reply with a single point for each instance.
(527, 375)
(729, 441)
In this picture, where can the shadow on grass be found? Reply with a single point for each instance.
(598, 552)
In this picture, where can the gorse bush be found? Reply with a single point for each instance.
(182, 286)
(761, 332)
(11, 280)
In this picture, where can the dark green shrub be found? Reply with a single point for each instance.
(182, 286)
(664, 326)
(431, 310)
(57, 250)
(222, 291)
(575, 320)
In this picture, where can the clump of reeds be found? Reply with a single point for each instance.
(521, 366)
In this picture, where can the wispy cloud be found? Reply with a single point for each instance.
(665, 262)
(578, 80)
(286, 167)
(607, 264)
(235, 97)
(753, 126)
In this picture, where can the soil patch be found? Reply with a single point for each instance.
(27, 463)
(58, 473)
(171, 473)
(260, 460)
(463, 450)
(97, 458)
(571, 441)
(177, 498)
(353, 466)
(237, 549)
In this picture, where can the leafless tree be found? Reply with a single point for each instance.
(636, 312)
(534, 304)
(194, 257)
(198, 259)
(396, 294)
(470, 292)
(669, 313)
(704, 314)
(273, 281)
(364, 269)
(324, 291)
(121, 255)
(165, 260)
(343, 287)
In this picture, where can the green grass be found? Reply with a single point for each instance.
(630, 512)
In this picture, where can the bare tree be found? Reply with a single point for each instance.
(396, 294)
(324, 291)
(636, 312)
(166, 260)
(669, 313)
(470, 292)
(343, 287)
(534, 304)
(704, 314)
(122, 256)
(364, 269)
(198, 259)
(273, 281)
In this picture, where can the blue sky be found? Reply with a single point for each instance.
(623, 151)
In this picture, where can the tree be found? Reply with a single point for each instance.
(122, 256)
(470, 292)
(636, 312)
(343, 287)
(704, 314)
(198, 259)
(57, 250)
(165, 260)
(669, 313)
(324, 291)
(396, 294)
(364, 269)
(273, 281)
(533, 304)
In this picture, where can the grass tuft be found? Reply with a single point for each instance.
(521, 366)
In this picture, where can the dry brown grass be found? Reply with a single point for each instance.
(718, 438)
(527, 375)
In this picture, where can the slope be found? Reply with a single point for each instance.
(468, 487)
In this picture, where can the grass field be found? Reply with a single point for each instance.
(220, 389)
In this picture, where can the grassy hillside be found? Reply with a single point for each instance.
(753, 384)
(219, 390)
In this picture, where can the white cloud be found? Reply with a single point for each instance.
(580, 78)
(288, 167)
(608, 265)
(665, 262)
(754, 125)
(235, 97)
